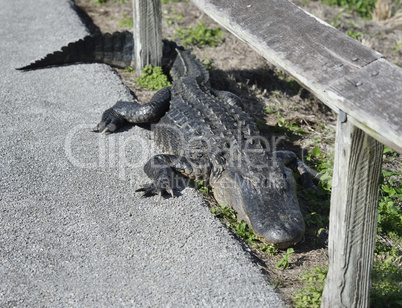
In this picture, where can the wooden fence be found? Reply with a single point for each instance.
(356, 82)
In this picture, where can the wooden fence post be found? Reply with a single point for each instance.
(353, 217)
(147, 33)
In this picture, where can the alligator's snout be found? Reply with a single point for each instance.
(284, 234)
(272, 212)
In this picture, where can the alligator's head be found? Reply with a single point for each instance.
(268, 204)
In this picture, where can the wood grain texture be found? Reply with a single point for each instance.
(147, 33)
(353, 217)
(322, 59)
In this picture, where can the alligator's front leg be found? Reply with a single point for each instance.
(289, 159)
(123, 112)
(163, 169)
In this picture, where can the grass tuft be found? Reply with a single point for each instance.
(153, 78)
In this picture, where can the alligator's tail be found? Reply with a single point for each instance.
(114, 49)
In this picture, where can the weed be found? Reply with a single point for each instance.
(270, 109)
(389, 209)
(240, 228)
(324, 164)
(355, 35)
(246, 233)
(361, 7)
(387, 281)
(269, 249)
(313, 282)
(209, 64)
(398, 47)
(284, 262)
(129, 69)
(224, 211)
(202, 188)
(126, 22)
(153, 78)
(228, 215)
(288, 128)
(199, 35)
(174, 17)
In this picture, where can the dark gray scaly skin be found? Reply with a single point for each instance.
(114, 49)
(207, 136)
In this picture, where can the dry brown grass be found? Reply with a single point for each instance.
(382, 11)
(395, 21)
(387, 14)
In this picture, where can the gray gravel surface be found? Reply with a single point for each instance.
(72, 231)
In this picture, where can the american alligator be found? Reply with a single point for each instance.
(204, 135)
(208, 137)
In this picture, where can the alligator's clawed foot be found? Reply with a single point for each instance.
(158, 187)
(110, 122)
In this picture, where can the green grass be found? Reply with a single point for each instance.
(126, 22)
(386, 277)
(228, 216)
(153, 78)
(355, 35)
(310, 296)
(361, 7)
(283, 263)
(199, 35)
(289, 129)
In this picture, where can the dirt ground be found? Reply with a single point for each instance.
(239, 69)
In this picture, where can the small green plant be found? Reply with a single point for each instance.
(129, 69)
(310, 295)
(100, 2)
(246, 233)
(209, 64)
(389, 209)
(126, 22)
(240, 228)
(288, 128)
(224, 211)
(355, 35)
(324, 164)
(398, 47)
(361, 7)
(202, 188)
(199, 35)
(386, 277)
(283, 263)
(153, 78)
(269, 249)
(228, 215)
(174, 17)
(387, 274)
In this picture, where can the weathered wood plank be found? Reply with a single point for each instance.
(147, 33)
(368, 95)
(320, 57)
(353, 217)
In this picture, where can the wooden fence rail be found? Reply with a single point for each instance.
(365, 90)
